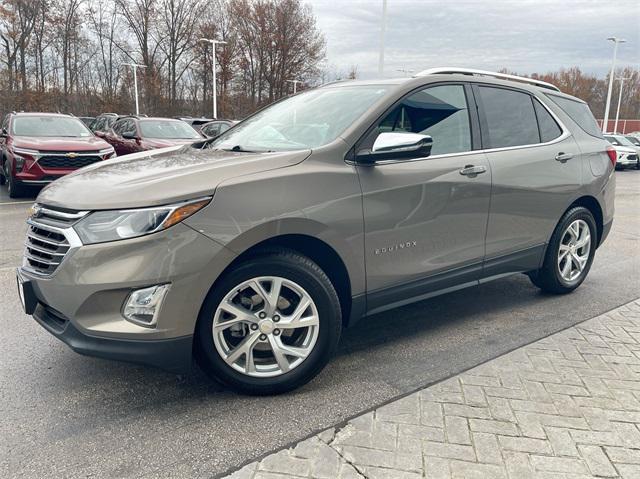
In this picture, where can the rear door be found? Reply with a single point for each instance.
(536, 168)
(425, 219)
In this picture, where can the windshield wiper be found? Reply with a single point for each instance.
(240, 149)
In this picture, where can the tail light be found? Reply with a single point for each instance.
(612, 155)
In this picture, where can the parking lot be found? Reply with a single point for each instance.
(65, 414)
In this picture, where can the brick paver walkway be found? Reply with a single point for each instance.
(567, 406)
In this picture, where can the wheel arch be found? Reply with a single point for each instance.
(592, 204)
(323, 254)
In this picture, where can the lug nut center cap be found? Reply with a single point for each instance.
(266, 326)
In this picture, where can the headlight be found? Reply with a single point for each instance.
(107, 151)
(25, 151)
(102, 226)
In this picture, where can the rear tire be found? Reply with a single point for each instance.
(268, 290)
(569, 254)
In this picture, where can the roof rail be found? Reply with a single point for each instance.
(471, 71)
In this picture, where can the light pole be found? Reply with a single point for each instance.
(382, 29)
(135, 67)
(213, 70)
(295, 85)
(615, 125)
(615, 41)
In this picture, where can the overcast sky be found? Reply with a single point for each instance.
(522, 35)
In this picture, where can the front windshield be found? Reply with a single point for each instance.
(633, 140)
(624, 141)
(50, 126)
(168, 130)
(308, 120)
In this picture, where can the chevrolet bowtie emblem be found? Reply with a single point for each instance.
(71, 155)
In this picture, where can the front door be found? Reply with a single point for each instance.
(425, 219)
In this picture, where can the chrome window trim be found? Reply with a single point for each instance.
(563, 136)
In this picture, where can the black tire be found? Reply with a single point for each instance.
(548, 278)
(14, 187)
(295, 267)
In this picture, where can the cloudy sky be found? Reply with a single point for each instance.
(522, 35)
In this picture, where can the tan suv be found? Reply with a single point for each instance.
(252, 251)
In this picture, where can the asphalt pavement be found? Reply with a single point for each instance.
(65, 415)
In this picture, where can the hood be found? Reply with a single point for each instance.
(158, 177)
(89, 143)
(624, 149)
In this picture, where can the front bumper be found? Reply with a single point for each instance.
(627, 162)
(81, 302)
(172, 355)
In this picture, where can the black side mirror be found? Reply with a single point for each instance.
(128, 135)
(397, 146)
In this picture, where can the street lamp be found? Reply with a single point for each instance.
(615, 41)
(135, 67)
(295, 85)
(213, 70)
(615, 125)
(382, 29)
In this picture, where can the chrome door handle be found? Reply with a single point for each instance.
(471, 170)
(562, 157)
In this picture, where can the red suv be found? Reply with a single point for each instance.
(132, 134)
(37, 148)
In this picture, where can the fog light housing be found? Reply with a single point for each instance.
(143, 305)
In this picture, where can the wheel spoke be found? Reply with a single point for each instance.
(566, 269)
(244, 348)
(296, 320)
(241, 315)
(564, 250)
(271, 297)
(278, 353)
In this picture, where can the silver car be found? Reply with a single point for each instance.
(252, 251)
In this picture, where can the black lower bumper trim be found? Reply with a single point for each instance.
(174, 355)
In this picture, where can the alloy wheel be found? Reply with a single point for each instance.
(265, 326)
(573, 253)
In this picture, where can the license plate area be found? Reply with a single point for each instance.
(26, 293)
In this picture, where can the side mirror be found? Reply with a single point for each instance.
(397, 146)
(3, 133)
(128, 135)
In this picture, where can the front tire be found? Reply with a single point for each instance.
(14, 187)
(269, 325)
(569, 254)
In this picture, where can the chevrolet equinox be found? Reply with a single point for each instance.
(251, 251)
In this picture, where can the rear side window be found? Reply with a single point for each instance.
(580, 113)
(510, 118)
(549, 129)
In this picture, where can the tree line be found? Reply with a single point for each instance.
(70, 56)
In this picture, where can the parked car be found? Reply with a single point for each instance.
(133, 134)
(103, 123)
(253, 250)
(196, 123)
(216, 127)
(37, 148)
(633, 139)
(87, 120)
(628, 155)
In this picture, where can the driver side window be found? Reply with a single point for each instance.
(440, 112)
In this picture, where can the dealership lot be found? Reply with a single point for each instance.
(65, 414)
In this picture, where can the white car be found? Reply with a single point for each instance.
(628, 154)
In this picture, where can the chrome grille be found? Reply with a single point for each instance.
(49, 238)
